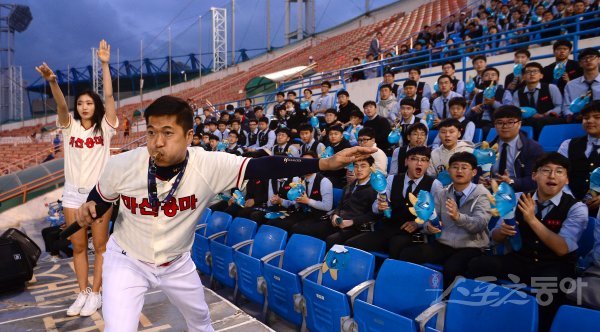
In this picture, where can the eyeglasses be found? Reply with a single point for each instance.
(416, 159)
(507, 124)
(532, 72)
(363, 139)
(558, 172)
(588, 58)
(417, 134)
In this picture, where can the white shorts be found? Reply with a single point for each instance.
(74, 197)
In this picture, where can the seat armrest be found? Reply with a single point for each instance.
(216, 235)
(309, 270)
(438, 308)
(271, 256)
(242, 244)
(358, 289)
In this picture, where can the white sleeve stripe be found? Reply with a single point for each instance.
(103, 197)
(241, 172)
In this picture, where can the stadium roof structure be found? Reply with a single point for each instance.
(268, 83)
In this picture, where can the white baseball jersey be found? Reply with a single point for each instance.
(86, 151)
(160, 236)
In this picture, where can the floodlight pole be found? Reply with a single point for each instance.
(170, 69)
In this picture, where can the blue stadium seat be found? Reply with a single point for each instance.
(220, 255)
(337, 196)
(552, 136)
(204, 216)
(570, 318)
(324, 302)
(431, 137)
(218, 222)
(478, 135)
(474, 304)
(492, 133)
(281, 281)
(389, 164)
(248, 266)
(393, 305)
(586, 242)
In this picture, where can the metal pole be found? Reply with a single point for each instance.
(366, 6)
(287, 21)
(141, 72)
(299, 33)
(200, 51)
(268, 25)
(170, 83)
(118, 80)
(68, 87)
(232, 32)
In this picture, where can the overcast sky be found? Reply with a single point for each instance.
(63, 31)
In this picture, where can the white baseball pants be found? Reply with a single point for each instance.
(126, 280)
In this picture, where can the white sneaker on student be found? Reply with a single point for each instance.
(75, 308)
(92, 304)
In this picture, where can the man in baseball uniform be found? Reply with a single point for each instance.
(163, 189)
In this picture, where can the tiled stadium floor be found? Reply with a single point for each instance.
(43, 304)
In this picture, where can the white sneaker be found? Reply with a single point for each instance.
(75, 308)
(92, 304)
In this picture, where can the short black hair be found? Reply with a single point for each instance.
(196, 135)
(232, 121)
(280, 93)
(369, 102)
(258, 108)
(305, 127)
(253, 120)
(241, 110)
(383, 86)
(335, 128)
(523, 51)
(460, 101)
(367, 131)
(464, 157)
(449, 122)
(250, 99)
(332, 111)
(491, 69)
(593, 106)
(419, 151)
(370, 160)
(213, 137)
(449, 63)
(410, 83)
(553, 158)
(343, 92)
(408, 102)
(197, 117)
(284, 130)
(224, 113)
(562, 42)
(479, 57)
(355, 58)
(389, 72)
(235, 133)
(534, 65)
(415, 69)
(508, 111)
(229, 107)
(307, 90)
(357, 113)
(292, 92)
(264, 119)
(444, 76)
(170, 105)
(326, 83)
(221, 122)
(416, 126)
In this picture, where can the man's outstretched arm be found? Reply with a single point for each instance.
(277, 167)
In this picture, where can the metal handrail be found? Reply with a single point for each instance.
(12, 167)
(30, 186)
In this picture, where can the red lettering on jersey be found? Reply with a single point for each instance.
(89, 142)
(99, 140)
(170, 207)
(79, 143)
(146, 209)
(72, 141)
